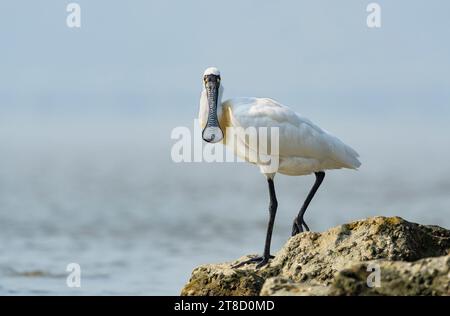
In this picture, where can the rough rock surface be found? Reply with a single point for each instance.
(335, 263)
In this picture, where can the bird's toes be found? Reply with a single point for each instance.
(240, 264)
(307, 228)
(243, 263)
(262, 263)
(296, 228)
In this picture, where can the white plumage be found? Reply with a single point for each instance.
(304, 147)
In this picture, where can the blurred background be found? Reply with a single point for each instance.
(86, 114)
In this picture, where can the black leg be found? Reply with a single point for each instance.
(299, 222)
(273, 205)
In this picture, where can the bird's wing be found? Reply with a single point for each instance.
(298, 136)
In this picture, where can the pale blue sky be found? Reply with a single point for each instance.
(148, 56)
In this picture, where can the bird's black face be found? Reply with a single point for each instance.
(212, 132)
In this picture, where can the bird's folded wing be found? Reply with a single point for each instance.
(298, 136)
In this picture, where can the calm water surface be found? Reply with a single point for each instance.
(137, 223)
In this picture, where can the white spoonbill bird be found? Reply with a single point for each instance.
(304, 148)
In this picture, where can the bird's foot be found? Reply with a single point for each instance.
(297, 226)
(259, 260)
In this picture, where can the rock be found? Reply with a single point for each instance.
(221, 279)
(281, 286)
(335, 263)
(430, 276)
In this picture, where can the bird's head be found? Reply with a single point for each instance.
(212, 133)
